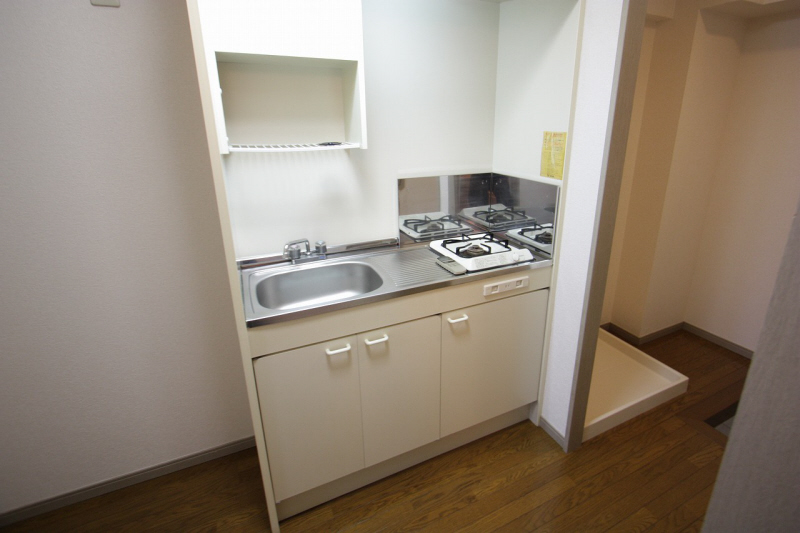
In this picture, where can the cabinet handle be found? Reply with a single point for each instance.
(377, 341)
(340, 350)
(463, 318)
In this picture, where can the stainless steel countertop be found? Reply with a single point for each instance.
(404, 270)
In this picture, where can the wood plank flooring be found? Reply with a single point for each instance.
(653, 473)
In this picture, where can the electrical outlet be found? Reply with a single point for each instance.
(503, 286)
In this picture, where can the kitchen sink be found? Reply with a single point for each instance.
(316, 285)
(282, 292)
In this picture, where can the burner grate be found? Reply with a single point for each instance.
(499, 216)
(431, 225)
(476, 245)
(481, 251)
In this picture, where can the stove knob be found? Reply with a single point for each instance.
(515, 256)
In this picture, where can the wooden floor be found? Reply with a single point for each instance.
(654, 473)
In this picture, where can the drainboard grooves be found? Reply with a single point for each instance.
(412, 267)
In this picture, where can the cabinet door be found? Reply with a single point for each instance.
(298, 28)
(491, 359)
(399, 368)
(311, 411)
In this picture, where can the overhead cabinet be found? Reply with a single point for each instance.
(286, 76)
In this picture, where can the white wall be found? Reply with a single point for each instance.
(756, 187)
(452, 87)
(688, 252)
(430, 82)
(627, 171)
(660, 118)
(118, 342)
(535, 69)
(705, 105)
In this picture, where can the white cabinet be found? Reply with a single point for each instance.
(491, 359)
(285, 76)
(328, 29)
(332, 408)
(399, 368)
(401, 375)
(311, 412)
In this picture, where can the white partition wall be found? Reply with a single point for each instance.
(595, 93)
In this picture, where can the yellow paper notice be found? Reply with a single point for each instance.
(554, 146)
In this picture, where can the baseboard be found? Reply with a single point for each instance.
(632, 339)
(719, 341)
(555, 435)
(124, 481)
(720, 417)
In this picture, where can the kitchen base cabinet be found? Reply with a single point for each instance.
(399, 368)
(333, 408)
(401, 382)
(491, 359)
(311, 411)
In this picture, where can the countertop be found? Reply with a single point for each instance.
(404, 270)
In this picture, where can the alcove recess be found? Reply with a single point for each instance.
(281, 103)
(285, 76)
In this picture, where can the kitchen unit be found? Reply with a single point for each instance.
(379, 382)
(474, 397)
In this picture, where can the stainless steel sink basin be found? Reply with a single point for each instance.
(316, 285)
(281, 292)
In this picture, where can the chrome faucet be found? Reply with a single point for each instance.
(299, 251)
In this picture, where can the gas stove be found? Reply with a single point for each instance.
(540, 236)
(427, 226)
(481, 251)
(496, 217)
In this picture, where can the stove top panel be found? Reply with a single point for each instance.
(481, 251)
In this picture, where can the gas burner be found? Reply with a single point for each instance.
(473, 250)
(539, 236)
(428, 226)
(481, 251)
(432, 226)
(496, 217)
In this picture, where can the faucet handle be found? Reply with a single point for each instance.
(292, 247)
(321, 248)
(294, 252)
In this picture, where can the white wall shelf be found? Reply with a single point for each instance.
(290, 147)
(289, 73)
